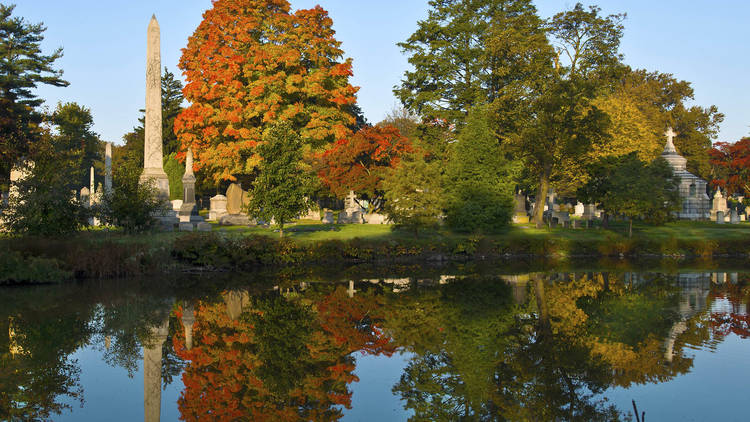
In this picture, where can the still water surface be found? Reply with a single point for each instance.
(539, 346)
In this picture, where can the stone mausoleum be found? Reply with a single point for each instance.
(695, 202)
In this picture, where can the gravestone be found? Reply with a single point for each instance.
(86, 197)
(578, 209)
(719, 204)
(720, 217)
(589, 211)
(203, 227)
(234, 199)
(218, 207)
(186, 227)
(328, 217)
(176, 204)
(188, 211)
(734, 218)
(376, 219)
(520, 215)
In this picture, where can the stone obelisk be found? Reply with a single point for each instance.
(153, 166)
(108, 168)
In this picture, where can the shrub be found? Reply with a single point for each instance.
(17, 269)
(44, 205)
(131, 205)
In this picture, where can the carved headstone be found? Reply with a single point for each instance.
(719, 204)
(218, 207)
(234, 199)
(188, 211)
(720, 217)
(328, 217)
(734, 218)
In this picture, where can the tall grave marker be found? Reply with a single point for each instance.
(153, 165)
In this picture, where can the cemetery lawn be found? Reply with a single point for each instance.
(311, 231)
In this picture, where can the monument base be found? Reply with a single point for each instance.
(236, 220)
(159, 179)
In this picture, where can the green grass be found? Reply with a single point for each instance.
(310, 231)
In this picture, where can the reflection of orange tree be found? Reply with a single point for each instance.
(281, 359)
(737, 320)
(622, 325)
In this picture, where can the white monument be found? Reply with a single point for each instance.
(108, 168)
(153, 164)
(695, 202)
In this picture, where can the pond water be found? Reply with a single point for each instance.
(583, 345)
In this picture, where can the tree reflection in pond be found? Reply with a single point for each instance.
(273, 357)
(521, 347)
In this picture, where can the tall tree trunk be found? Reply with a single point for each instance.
(281, 229)
(541, 196)
(630, 228)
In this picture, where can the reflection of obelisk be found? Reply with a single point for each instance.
(152, 351)
(153, 166)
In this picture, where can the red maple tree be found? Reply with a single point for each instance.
(254, 62)
(732, 162)
(361, 162)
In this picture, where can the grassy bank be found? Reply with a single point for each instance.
(106, 254)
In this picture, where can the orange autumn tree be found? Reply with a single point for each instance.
(251, 63)
(361, 162)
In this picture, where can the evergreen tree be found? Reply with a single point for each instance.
(453, 67)
(480, 178)
(280, 189)
(22, 67)
(413, 193)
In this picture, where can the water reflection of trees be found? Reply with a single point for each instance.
(527, 347)
(278, 357)
(548, 355)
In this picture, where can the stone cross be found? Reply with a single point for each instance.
(153, 166)
(670, 134)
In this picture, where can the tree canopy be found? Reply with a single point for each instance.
(23, 66)
(253, 63)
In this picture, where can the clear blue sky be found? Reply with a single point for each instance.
(104, 43)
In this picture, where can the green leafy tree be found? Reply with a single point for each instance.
(43, 204)
(23, 66)
(76, 140)
(626, 185)
(452, 68)
(413, 193)
(479, 178)
(175, 170)
(562, 124)
(130, 205)
(280, 189)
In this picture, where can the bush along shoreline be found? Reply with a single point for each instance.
(37, 260)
